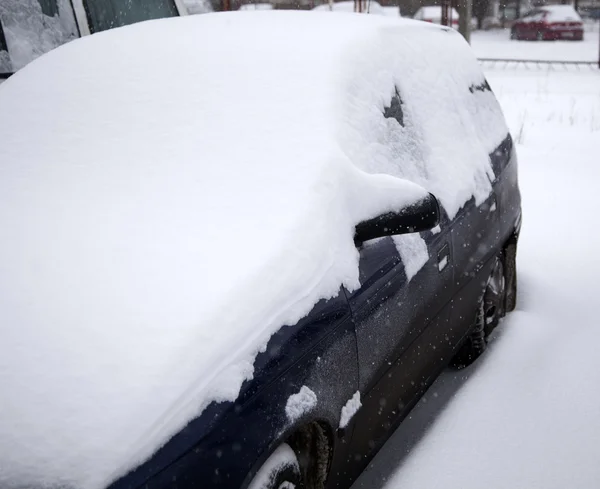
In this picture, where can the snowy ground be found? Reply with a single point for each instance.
(526, 415)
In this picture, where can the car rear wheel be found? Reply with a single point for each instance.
(490, 308)
(510, 275)
(494, 297)
(280, 471)
(540, 36)
(513, 34)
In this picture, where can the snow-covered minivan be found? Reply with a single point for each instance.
(30, 28)
(243, 270)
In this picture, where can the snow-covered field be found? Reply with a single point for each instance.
(526, 415)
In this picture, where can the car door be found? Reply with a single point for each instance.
(477, 228)
(395, 308)
(535, 24)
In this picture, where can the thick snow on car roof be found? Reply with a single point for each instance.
(561, 13)
(173, 192)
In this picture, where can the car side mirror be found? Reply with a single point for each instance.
(415, 218)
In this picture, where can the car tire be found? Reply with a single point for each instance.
(510, 274)
(490, 309)
(280, 471)
(539, 36)
(494, 297)
(513, 35)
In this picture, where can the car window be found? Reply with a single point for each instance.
(49, 7)
(34, 27)
(106, 14)
(535, 16)
(394, 110)
(5, 65)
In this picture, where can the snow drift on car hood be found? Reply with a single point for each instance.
(171, 194)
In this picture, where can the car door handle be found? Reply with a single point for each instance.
(443, 257)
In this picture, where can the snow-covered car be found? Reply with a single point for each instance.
(244, 270)
(433, 14)
(367, 6)
(549, 23)
(30, 28)
(392, 11)
(194, 7)
(256, 6)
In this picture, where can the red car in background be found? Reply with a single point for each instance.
(549, 23)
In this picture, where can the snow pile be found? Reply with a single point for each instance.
(528, 416)
(282, 457)
(299, 404)
(30, 33)
(158, 226)
(350, 409)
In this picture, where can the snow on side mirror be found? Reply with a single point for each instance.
(418, 217)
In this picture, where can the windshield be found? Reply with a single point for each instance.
(106, 14)
(5, 66)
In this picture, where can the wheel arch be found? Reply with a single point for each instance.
(313, 442)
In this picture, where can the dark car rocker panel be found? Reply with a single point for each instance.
(364, 340)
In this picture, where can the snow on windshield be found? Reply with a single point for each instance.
(158, 226)
(5, 64)
(419, 138)
(30, 32)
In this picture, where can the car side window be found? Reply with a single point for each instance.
(394, 110)
(34, 27)
(49, 7)
(5, 65)
(106, 14)
(536, 16)
(377, 257)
